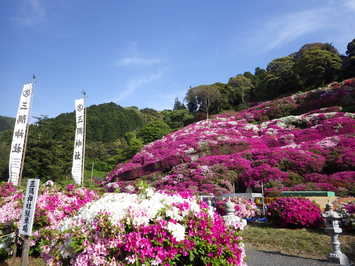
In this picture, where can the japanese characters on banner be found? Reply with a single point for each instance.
(79, 142)
(29, 207)
(19, 136)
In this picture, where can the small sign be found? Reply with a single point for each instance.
(29, 207)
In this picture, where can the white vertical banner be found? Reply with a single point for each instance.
(20, 134)
(29, 207)
(79, 142)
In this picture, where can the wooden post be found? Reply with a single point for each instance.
(25, 251)
(15, 247)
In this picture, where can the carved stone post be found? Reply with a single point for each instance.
(332, 228)
(231, 219)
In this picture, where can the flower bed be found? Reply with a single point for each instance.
(53, 205)
(150, 228)
(278, 143)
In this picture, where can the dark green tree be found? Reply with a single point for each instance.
(204, 98)
(348, 68)
(153, 131)
(318, 67)
(6, 123)
(178, 105)
(282, 76)
(177, 118)
(241, 87)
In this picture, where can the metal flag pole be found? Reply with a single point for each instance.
(26, 135)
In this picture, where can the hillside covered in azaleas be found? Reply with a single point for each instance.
(301, 142)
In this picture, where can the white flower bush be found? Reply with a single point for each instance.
(150, 228)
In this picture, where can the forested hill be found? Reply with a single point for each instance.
(50, 142)
(6, 122)
(105, 123)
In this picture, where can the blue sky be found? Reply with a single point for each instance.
(147, 52)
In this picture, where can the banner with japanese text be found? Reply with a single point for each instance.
(19, 136)
(29, 207)
(79, 142)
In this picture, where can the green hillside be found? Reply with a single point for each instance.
(6, 123)
(50, 142)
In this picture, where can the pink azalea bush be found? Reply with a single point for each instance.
(294, 212)
(350, 207)
(53, 205)
(150, 228)
(280, 144)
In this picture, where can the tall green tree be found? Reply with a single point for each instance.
(177, 118)
(153, 131)
(282, 76)
(318, 67)
(204, 98)
(178, 105)
(348, 68)
(241, 87)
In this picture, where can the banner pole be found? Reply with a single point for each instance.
(25, 251)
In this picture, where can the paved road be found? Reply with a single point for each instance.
(266, 258)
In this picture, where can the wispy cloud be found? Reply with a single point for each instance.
(31, 12)
(350, 4)
(137, 61)
(331, 17)
(292, 26)
(133, 84)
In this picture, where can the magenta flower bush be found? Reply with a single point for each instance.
(350, 207)
(53, 205)
(294, 212)
(280, 144)
(150, 228)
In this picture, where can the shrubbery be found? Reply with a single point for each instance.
(231, 152)
(294, 212)
(150, 228)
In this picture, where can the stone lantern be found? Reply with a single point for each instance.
(231, 219)
(332, 227)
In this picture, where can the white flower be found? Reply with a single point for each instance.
(177, 230)
(49, 183)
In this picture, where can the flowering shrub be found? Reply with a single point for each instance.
(350, 207)
(53, 205)
(243, 207)
(294, 212)
(277, 142)
(6, 189)
(151, 228)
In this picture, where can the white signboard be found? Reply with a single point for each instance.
(19, 136)
(79, 142)
(29, 207)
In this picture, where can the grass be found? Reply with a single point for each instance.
(297, 242)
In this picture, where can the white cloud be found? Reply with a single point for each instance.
(292, 26)
(133, 84)
(137, 61)
(333, 17)
(350, 4)
(31, 13)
